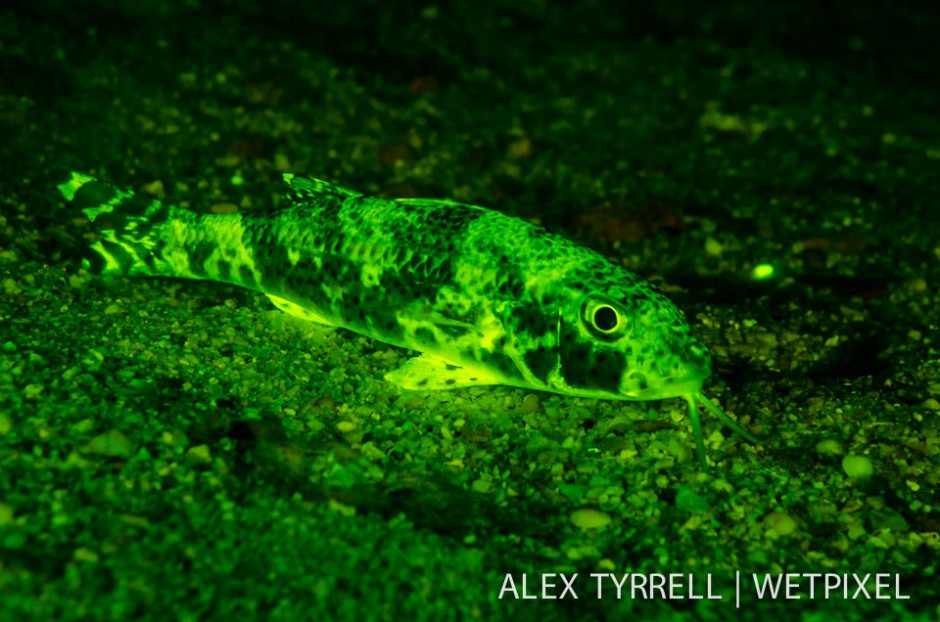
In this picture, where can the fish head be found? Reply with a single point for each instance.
(627, 343)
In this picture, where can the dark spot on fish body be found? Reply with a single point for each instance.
(540, 235)
(385, 324)
(641, 381)
(443, 221)
(198, 253)
(328, 211)
(578, 367)
(438, 274)
(224, 270)
(150, 259)
(333, 242)
(261, 253)
(379, 313)
(426, 274)
(608, 366)
(337, 270)
(398, 289)
(245, 276)
(500, 362)
(511, 286)
(550, 300)
(93, 194)
(307, 274)
(532, 319)
(95, 262)
(112, 221)
(453, 331)
(541, 361)
(424, 335)
(433, 232)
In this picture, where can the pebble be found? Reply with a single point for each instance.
(111, 443)
(829, 447)
(781, 523)
(589, 518)
(530, 404)
(857, 467)
(199, 454)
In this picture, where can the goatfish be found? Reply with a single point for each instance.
(485, 298)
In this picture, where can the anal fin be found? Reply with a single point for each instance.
(429, 373)
(296, 310)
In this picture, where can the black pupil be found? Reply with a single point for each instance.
(605, 318)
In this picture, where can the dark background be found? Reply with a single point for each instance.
(173, 449)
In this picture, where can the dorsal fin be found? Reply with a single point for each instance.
(307, 188)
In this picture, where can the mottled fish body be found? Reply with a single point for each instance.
(486, 298)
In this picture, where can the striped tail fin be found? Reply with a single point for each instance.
(130, 227)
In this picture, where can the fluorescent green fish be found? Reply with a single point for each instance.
(486, 298)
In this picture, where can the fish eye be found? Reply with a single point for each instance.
(602, 319)
(605, 318)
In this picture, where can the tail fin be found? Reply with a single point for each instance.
(129, 226)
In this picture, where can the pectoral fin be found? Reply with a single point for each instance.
(430, 373)
(296, 310)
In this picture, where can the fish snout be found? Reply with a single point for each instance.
(674, 374)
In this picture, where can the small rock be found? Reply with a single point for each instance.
(782, 524)
(346, 427)
(857, 467)
(111, 443)
(690, 501)
(530, 404)
(589, 518)
(6, 514)
(829, 447)
(199, 454)
(85, 555)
